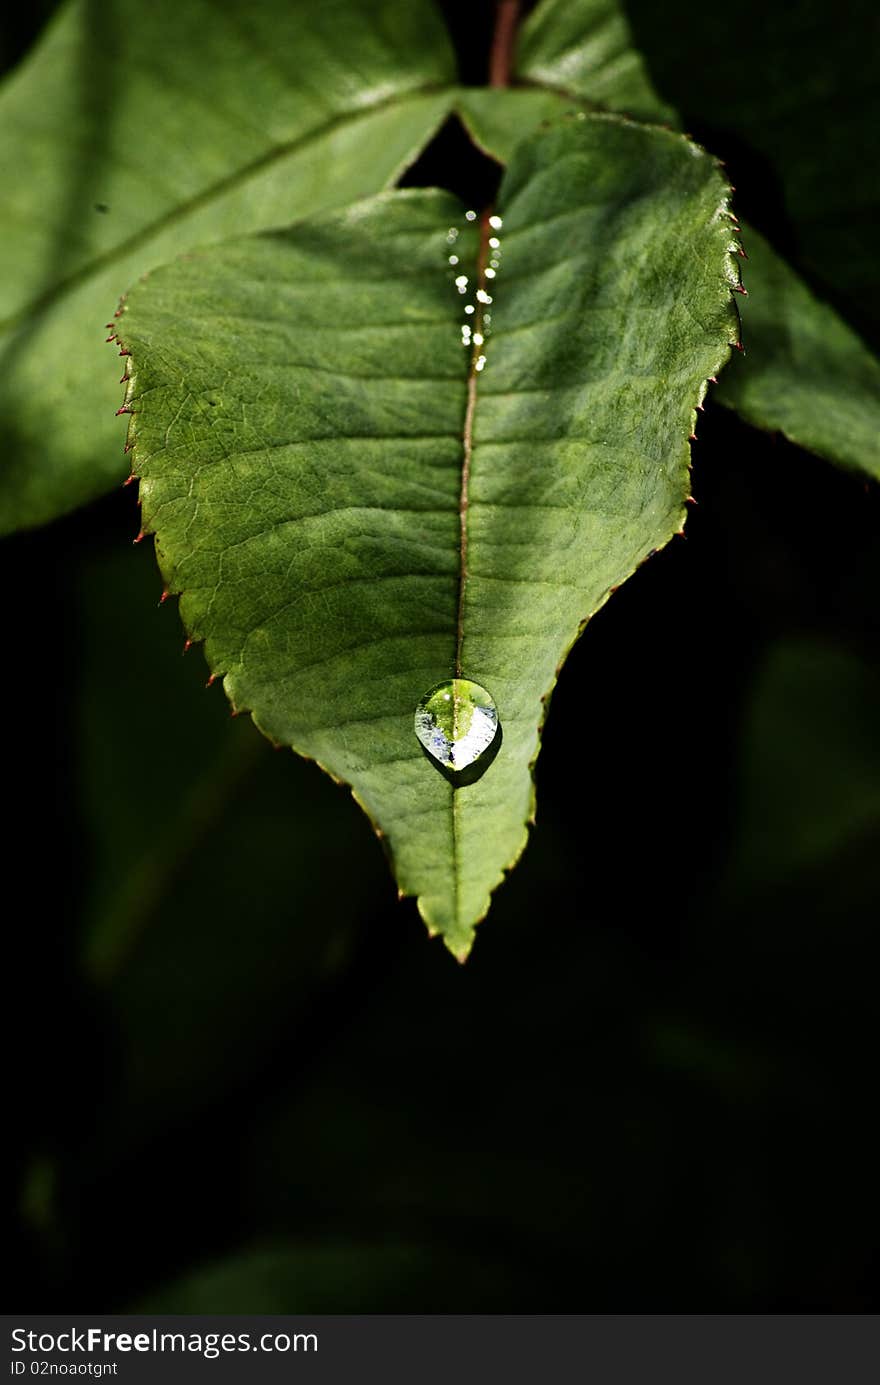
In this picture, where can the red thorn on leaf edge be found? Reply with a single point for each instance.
(139, 537)
(187, 646)
(737, 346)
(129, 479)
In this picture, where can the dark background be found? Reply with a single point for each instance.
(244, 1079)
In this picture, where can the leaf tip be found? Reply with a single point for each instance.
(460, 951)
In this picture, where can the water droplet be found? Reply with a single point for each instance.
(461, 283)
(496, 223)
(482, 297)
(494, 243)
(457, 723)
(480, 362)
(469, 307)
(453, 259)
(478, 338)
(490, 274)
(470, 216)
(452, 234)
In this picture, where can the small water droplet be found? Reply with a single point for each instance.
(469, 307)
(453, 259)
(494, 242)
(452, 234)
(478, 338)
(482, 296)
(490, 273)
(496, 223)
(480, 362)
(470, 216)
(457, 723)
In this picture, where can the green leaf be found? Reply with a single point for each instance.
(584, 48)
(353, 513)
(805, 372)
(134, 133)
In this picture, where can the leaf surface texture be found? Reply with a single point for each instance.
(309, 431)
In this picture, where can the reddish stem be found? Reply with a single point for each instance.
(503, 43)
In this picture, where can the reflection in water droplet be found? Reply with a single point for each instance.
(457, 723)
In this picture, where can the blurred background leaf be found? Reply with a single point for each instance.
(127, 136)
(341, 1277)
(790, 98)
(210, 859)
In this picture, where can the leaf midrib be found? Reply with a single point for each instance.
(237, 178)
